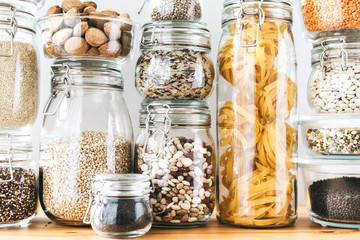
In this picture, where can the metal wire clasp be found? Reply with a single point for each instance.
(10, 156)
(14, 25)
(325, 55)
(243, 23)
(153, 40)
(67, 80)
(142, 6)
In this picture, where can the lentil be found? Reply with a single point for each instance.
(323, 15)
(339, 92)
(18, 198)
(337, 199)
(175, 74)
(193, 198)
(176, 10)
(66, 178)
(334, 141)
(18, 84)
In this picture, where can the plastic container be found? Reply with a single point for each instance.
(175, 148)
(175, 61)
(86, 132)
(257, 124)
(332, 191)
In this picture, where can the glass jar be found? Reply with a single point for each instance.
(163, 10)
(18, 180)
(18, 65)
(257, 122)
(334, 84)
(332, 191)
(175, 62)
(86, 131)
(175, 148)
(119, 205)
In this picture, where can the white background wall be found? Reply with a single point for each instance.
(211, 15)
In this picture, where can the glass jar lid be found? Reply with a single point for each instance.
(122, 185)
(236, 9)
(331, 121)
(17, 143)
(179, 112)
(176, 33)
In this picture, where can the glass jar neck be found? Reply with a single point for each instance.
(14, 145)
(16, 17)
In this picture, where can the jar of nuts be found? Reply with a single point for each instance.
(175, 61)
(334, 85)
(175, 148)
(18, 180)
(86, 131)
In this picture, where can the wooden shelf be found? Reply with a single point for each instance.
(304, 229)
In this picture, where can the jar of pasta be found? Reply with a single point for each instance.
(175, 148)
(257, 116)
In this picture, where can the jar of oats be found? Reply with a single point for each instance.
(86, 131)
(175, 61)
(18, 64)
(175, 148)
(334, 85)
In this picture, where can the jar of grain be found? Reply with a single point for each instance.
(18, 64)
(334, 84)
(175, 61)
(18, 180)
(86, 131)
(162, 10)
(175, 148)
(257, 123)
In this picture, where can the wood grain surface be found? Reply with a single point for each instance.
(304, 229)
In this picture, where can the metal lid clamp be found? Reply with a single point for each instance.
(10, 156)
(94, 197)
(12, 22)
(142, 6)
(153, 41)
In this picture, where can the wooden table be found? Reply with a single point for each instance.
(304, 229)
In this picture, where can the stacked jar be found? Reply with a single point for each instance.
(19, 80)
(175, 75)
(86, 129)
(331, 134)
(257, 121)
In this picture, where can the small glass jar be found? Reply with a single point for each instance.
(18, 180)
(119, 205)
(332, 191)
(175, 148)
(86, 131)
(257, 115)
(175, 61)
(334, 84)
(18, 65)
(163, 10)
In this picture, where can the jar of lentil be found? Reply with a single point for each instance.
(175, 61)
(162, 10)
(18, 180)
(332, 191)
(18, 64)
(257, 124)
(175, 148)
(86, 131)
(120, 206)
(334, 84)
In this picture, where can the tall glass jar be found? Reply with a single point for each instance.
(18, 64)
(175, 148)
(334, 84)
(257, 115)
(175, 61)
(18, 180)
(86, 131)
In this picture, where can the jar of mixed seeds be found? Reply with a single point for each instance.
(120, 206)
(18, 180)
(18, 64)
(175, 148)
(175, 61)
(334, 85)
(160, 10)
(86, 131)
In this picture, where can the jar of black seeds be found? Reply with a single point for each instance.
(119, 205)
(18, 180)
(175, 61)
